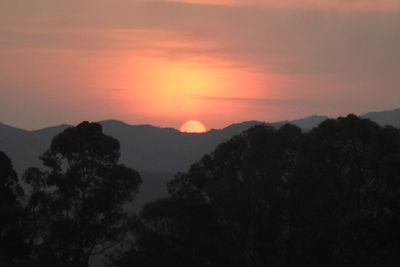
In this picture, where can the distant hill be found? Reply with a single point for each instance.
(306, 123)
(7, 131)
(157, 153)
(391, 117)
(24, 148)
(147, 148)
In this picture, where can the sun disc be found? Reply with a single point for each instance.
(193, 126)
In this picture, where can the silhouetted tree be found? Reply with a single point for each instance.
(77, 204)
(338, 213)
(280, 197)
(228, 210)
(13, 233)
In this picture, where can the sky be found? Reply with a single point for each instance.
(216, 61)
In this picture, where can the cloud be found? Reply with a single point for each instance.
(342, 51)
(290, 40)
(337, 5)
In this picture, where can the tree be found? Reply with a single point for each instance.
(227, 210)
(340, 212)
(77, 203)
(13, 234)
(280, 197)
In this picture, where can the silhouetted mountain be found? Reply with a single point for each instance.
(157, 153)
(148, 148)
(238, 127)
(153, 149)
(391, 117)
(306, 123)
(7, 131)
(24, 148)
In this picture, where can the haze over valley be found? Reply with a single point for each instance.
(157, 153)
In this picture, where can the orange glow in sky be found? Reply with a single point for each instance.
(176, 90)
(174, 86)
(219, 61)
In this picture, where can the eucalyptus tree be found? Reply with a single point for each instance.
(13, 231)
(77, 202)
(280, 197)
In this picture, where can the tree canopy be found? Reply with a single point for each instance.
(13, 237)
(267, 197)
(280, 197)
(77, 202)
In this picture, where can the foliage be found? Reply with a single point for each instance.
(77, 203)
(280, 197)
(13, 233)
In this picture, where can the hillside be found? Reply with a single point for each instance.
(148, 148)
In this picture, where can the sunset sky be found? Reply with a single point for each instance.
(215, 61)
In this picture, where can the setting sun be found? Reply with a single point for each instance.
(193, 127)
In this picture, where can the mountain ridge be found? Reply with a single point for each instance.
(149, 148)
(157, 153)
(7, 130)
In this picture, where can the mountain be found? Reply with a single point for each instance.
(7, 131)
(153, 149)
(148, 148)
(157, 153)
(391, 117)
(24, 148)
(306, 123)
